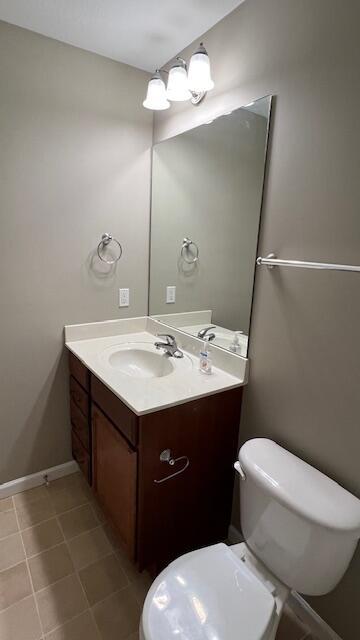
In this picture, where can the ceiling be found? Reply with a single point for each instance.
(141, 33)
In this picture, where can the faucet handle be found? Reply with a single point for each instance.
(167, 336)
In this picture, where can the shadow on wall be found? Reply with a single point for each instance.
(41, 440)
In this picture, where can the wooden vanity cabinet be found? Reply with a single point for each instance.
(79, 384)
(157, 521)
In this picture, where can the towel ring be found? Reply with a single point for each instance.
(106, 238)
(165, 456)
(185, 248)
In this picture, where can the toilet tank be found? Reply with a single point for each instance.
(303, 526)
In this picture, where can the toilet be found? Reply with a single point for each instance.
(301, 530)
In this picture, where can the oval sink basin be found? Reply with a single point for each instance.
(140, 363)
(142, 360)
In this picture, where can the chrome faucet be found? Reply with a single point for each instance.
(170, 347)
(203, 333)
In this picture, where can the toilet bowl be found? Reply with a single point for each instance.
(301, 530)
(211, 594)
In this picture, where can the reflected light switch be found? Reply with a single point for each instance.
(170, 295)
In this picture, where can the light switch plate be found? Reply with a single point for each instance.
(170, 295)
(124, 297)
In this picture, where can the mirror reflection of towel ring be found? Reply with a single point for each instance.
(187, 243)
(106, 238)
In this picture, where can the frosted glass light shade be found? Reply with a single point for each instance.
(177, 87)
(199, 77)
(156, 94)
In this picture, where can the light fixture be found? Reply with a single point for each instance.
(181, 85)
(177, 86)
(156, 94)
(199, 77)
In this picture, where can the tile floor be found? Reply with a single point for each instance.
(62, 576)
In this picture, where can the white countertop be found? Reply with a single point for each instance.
(145, 395)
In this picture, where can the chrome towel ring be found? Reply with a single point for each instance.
(185, 250)
(106, 238)
(165, 456)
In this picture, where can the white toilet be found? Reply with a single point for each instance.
(301, 530)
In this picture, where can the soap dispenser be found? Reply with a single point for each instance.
(235, 345)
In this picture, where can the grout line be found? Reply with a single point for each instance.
(31, 582)
(37, 524)
(7, 510)
(81, 585)
(55, 515)
(58, 544)
(113, 552)
(52, 584)
(29, 595)
(59, 626)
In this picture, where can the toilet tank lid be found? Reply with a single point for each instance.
(299, 486)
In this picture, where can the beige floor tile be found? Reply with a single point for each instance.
(67, 482)
(14, 585)
(129, 567)
(102, 578)
(6, 504)
(60, 602)
(8, 523)
(50, 566)
(42, 537)
(68, 498)
(20, 622)
(32, 513)
(118, 616)
(111, 536)
(78, 521)
(81, 628)
(89, 547)
(11, 551)
(98, 511)
(140, 586)
(32, 495)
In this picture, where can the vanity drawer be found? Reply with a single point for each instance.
(79, 396)
(80, 455)
(79, 371)
(80, 425)
(122, 417)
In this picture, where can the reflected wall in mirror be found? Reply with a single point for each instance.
(207, 186)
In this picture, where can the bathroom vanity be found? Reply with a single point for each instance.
(155, 437)
(150, 446)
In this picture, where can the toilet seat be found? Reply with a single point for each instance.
(208, 594)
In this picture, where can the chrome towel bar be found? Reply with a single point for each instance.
(272, 261)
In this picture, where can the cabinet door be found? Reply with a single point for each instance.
(115, 471)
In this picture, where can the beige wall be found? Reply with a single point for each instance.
(74, 162)
(207, 185)
(304, 344)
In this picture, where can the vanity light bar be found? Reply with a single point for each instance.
(272, 261)
(182, 84)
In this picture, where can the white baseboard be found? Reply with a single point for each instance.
(316, 625)
(36, 479)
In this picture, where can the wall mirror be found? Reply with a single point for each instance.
(207, 186)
